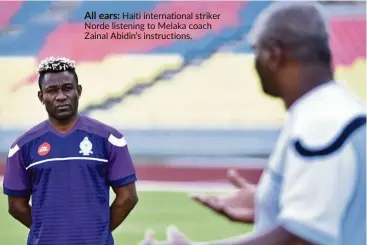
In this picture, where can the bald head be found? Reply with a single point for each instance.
(299, 27)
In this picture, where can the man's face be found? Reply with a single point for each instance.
(60, 94)
(264, 66)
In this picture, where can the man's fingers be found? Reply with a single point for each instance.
(209, 201)
(176, 237)
(196, 197)
(149, 234)
(202, 198)
(172, 232)
(149, 238)
(245, 215)
(236, 179)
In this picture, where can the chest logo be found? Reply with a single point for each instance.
(86, 147)
(44, 149)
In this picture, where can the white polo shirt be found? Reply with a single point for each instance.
(315, 182)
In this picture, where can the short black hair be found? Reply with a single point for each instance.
(54, 65)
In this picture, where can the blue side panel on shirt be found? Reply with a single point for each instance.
(354, 222)
(124, 181)
(15, 193)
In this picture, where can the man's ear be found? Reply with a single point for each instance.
(40, 96)
(276, 58)
(79, 89)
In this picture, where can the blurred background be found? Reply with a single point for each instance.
(189, 109)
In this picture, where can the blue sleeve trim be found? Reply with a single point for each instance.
(308, 233)
(123, 181)
(334, 146)
(17, 193)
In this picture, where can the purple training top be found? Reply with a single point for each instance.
(68, 176)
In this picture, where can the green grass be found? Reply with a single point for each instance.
(155, 210)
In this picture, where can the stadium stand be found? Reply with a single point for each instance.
(189, 109)
(7, 11)
(199, 97)
(344, 32)
(207, 82)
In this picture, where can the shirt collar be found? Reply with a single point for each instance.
(310, 94)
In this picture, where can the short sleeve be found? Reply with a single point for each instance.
(318, 184)
(16, 179)
(121, 170)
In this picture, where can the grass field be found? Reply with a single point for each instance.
(156, 210)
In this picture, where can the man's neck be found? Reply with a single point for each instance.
(64, 126)
(309, 78)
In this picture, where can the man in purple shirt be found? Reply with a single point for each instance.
(67, 164)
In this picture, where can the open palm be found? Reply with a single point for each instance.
(237, 206)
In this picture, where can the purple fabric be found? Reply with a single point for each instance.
(16, 177)
(120, 164)
(32, 134)
(96, 127)
(16, 180)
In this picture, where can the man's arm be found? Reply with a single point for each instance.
(17, 187)
(277, 236)
(20, 209)
(125, 201)
(122, 178)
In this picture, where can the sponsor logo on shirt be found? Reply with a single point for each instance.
(44, 149)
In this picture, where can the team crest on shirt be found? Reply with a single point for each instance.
(44, 149)
(86, 147)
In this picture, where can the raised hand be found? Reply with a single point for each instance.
(237, 206)
(174, 237)
(149, 239)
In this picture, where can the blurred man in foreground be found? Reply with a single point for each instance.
(313, 190)
(67, 164)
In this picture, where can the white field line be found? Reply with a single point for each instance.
(176, 186)
(173, 186)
